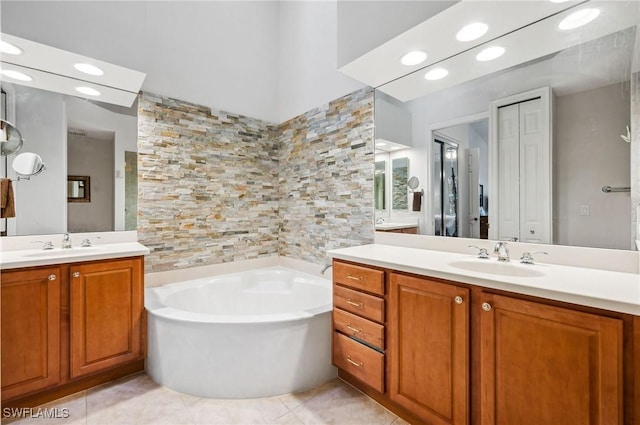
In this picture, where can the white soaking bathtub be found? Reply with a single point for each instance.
(257, 333)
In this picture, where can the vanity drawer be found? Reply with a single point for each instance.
(358, 277)
(363, 329)
(359, 303)
(359, 360)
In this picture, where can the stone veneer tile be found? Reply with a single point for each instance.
(206, 185)
(326, 178)
(217, 187)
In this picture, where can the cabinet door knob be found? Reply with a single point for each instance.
(458, 299)
(52, 277)
(486, 306)
(76, 274)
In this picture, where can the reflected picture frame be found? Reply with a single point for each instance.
(78, 189)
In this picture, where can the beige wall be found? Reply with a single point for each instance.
(91, 157)
(588, 145)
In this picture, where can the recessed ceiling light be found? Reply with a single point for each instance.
(558, 1)
(579, 18)
(413, 58)
(9, 48)
(490, 53)
(380, 144)
(88, 91)
(87, 68)
(395, 148)
(472, 31)
(436, 74)
(16, 75)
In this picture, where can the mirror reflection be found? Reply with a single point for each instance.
(523, 153)
(74, 137)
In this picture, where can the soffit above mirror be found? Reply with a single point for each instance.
(54, 70)
(537, 37)
(437, 36)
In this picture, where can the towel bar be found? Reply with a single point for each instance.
(609, 189)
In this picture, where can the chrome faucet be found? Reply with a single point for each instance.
(66, 241)
(380, 220)
(326, 267)
(502, 251)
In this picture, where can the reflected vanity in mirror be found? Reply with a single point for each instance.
(519, 147)
(78, 189)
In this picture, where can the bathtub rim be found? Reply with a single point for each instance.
(156, 308)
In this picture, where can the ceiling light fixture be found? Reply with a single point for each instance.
(88, 91)
(436, 74)
(472, 31)
(16, 75)
(87, 68)
(558, 1)
(490, 53)
(413, 58)
(380, 144)
(579, 18)
(9, 48)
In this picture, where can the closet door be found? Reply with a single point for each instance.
(509, 172)
(535, 191)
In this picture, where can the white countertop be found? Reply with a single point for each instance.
(395, 226)
(39, 257)
(603, 289)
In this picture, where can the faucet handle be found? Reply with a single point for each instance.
(527, 257)
(86, 243)
(482, 252)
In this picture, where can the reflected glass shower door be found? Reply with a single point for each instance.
(445, 188)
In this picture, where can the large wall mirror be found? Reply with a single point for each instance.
(74, 137)
(520, 148)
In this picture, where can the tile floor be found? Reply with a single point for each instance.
(137, 400)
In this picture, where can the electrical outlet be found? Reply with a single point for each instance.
(584, 210)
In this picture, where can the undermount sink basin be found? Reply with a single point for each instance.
(494, 267)
(58, 252)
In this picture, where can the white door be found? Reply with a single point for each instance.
(473, 165)
(508, 189)
(535, 193)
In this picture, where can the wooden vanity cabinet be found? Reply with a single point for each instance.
(69, 327)
(106, 315)
(541, 364)
(30, 330)
(358, 323)
(461, 354)
(429, 348)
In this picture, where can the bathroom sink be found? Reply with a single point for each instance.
(494, 267)
(58, 252)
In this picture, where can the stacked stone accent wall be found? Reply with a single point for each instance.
(217, 187)
(326, 178)
(207, 185)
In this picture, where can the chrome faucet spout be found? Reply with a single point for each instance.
(326, 267)
(66, 241)
(502, 250)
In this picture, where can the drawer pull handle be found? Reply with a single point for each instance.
(76, 274)
(355, 304)
(360, 278)
(52, 277)
(356, 364)
(354, 330)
